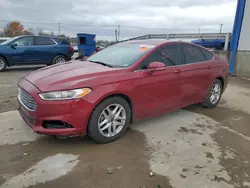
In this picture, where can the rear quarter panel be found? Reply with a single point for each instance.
(220, 70)
(64, 50)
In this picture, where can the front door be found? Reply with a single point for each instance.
(23, 52)
(159, 91)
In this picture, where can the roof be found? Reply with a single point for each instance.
(155, 42)
(149, 41)
(41, 36)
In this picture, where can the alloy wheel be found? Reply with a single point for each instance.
(60, 60)
(215, 93)
(112, 120)
(1, 64)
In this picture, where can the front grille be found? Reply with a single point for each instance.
(27, 100)
(29, 119)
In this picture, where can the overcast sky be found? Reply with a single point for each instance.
(136, 17)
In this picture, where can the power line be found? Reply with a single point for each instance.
(111, 25)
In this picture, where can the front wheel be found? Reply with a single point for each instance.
(109, 120)
(3, 64)
(214, 95)
(59, 59)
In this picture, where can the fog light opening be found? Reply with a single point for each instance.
(55, 124)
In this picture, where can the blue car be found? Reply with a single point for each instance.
(211, 43)
(33, 50)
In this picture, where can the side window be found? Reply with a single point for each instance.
(24, 41)
(209, 56)
(155, 56)
(193, 54)
(169, 55)
(44, 41)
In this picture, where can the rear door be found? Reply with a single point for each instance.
(197, 74)
(23, 52)
(45, 49)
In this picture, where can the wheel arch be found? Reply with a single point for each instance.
(57, 54)
(124, 96)
(7, 62)
(222, 81)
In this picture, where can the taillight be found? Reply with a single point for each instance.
(71, 48)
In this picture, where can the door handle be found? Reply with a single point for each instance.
(177, 70)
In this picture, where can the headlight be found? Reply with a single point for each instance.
(65, 95)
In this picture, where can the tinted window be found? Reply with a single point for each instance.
(168, 55)
(24, 41)
(171, 55)
(155, 56)
(193, 54)
(64, 41)
(44, 41)
(208, 55)
(61, 41)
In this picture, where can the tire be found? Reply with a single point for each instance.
(59, 59)
(3, 64)
(209, 102)
(97, 116)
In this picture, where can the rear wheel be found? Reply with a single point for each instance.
(59, 59)
(109, 120)
(3, 64)
(214, 95)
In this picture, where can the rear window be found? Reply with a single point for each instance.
(61, 41)
(44, 41)
(209, 56)
(65, 42)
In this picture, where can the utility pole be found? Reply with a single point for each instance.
(59, 29)
(221, 25)
(115, 35)
(3, 31)
(118, 33)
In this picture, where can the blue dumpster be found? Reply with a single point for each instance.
(86, 44)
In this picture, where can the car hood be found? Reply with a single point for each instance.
(69, 75)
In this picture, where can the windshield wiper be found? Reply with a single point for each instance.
(101, 63)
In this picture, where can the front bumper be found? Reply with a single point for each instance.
(72, 112)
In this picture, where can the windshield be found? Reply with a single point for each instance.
(9, 41)
(121, 55)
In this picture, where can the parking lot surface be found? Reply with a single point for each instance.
(193, 147)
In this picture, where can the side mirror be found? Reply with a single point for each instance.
(13, 45)
(156, 66)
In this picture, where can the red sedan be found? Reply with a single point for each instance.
(125, 82)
